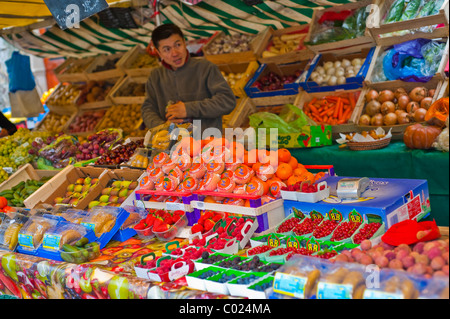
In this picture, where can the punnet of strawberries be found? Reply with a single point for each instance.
(305, 188)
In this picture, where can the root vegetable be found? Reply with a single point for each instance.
(437, 263)
(419, 115)
(332, 80)
(412, 107)
(372, 95)
(402, 117)
(434, 252)
(366, 244)
(373, 107)
(400, 92)
(431, 93)
(382, 262)
(377, 120)
(418, 93)
(403, 101)
(387, 107)
(426, 102)
(364, 120)
(395, 264)
(390, 119)
(408, 261)
(341, 80)
(386, 95)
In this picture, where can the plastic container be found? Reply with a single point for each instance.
(174, 230)
(238, 287)
(196, 280)
(202, 263)
(126, 231)
(308, 197)
(178, 269)
(217, 283)
(89, 252)
(9, 230)
(62, 233)
(258, 290)
(74, 215)
(32, 233)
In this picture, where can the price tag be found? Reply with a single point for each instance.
(200, 205)
(315, 215)
(312, 245)
(292, 242)
(355, 217)
(298, 213)
(335, 215)
(175, 206)
(273, 241)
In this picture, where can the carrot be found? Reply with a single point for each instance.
(332, 98)
(346, 101)
(338, 106)
(351, 97)
(313, 108)
(341, 108)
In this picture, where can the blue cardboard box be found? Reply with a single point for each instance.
(386, 200)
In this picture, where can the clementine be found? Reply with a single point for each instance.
(284, 155)
(284, 171)
(293, 162)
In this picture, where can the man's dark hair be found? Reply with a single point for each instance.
(165, 31)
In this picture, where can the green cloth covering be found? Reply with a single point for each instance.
(394, 161)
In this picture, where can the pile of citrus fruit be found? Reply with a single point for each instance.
(217, 166)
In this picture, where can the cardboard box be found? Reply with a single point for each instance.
(23, 174)
(387, 200)
(380, 30)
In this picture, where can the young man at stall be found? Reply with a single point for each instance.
(184, 88)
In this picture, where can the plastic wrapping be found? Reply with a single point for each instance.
(411, 10)
(32, 233)
(61, 234)
(395, 12)
(136, 214)
(61, 152)
(101, 219)
(9, 230)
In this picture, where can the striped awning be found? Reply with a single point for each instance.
(199, 21)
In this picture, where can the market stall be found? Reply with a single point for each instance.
(94, 205)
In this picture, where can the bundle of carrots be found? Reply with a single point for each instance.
(332, 109)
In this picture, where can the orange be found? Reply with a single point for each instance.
(221, 142)
(284, 171)
(247, 203)
(299, 171)
(293, 162)
(272, 159)
(256, 167)
(266, 187)
(284, 155)
(238, 151)
(190, 146)
(293, 180)
(209, 199)
(319, 175)
(273, 179)
(301, 166)
(206, 141)
(252, 157)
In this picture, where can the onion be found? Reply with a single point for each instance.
(418, 93)
(319, 80)
(403, 101)
(373, 107)
(377, 120)
(387, 107)
(356, 62)
(385, 95)
(426, 102)
(332, 80)
(320, 70)
(337, 64)
(328, 65)
(364, 120)
(314, 75)
(340, 72)
(331, 71)
(399, 92)
(402, 117)
(419, 115)
(371, 95)
(346, 63)
(341, 80)
(431, 92)
(412, 107)
(390, 119)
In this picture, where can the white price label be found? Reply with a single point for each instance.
(175, 206)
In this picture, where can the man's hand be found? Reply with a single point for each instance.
(176, 112)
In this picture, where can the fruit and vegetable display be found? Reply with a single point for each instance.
(86, 121)
(132, 89)
(165, 225)
(274, 81)
(284, 43)
(119, 154)
(3, 175)
(114, 194)
(144, 61)
(94, 91)
(18, 193)
(76, 191)
(331, 73)
(401, 10)
(333, 109)
(233, 78)
(399, 106)
(80, 252)
(65, 95)
(338, 26)
(109, 64)
(234, 43)
(54, 122)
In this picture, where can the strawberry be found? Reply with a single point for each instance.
(161, 228)
(141, 225)
(175, 218)
(167, 217)
(150, 219)
(197, 228)
(217, 217)
(208, 224)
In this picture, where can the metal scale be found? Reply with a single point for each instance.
(352, 188)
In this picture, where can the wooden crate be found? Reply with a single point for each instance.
(79, 113)
(138, 120)
(380, 49)
(244, 108)
(126, 61)
(115, 96)
(256, 49)
(443, 92)
(306, 97)
(107, 74)
(294, 56)
(24, 173)
(61, 112)
(110, 83)
(247, 69)
(62, 72)
(377, 28)
(360, 42)
(396, 130)
(63, 89)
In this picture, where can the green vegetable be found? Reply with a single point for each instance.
(437, 7)
(395, 12)
(411, 10)
(426, 10)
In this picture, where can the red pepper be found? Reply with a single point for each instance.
(10, 284)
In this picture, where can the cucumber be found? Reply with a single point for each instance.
(67, 257)
(73, 250)
(83, 241)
